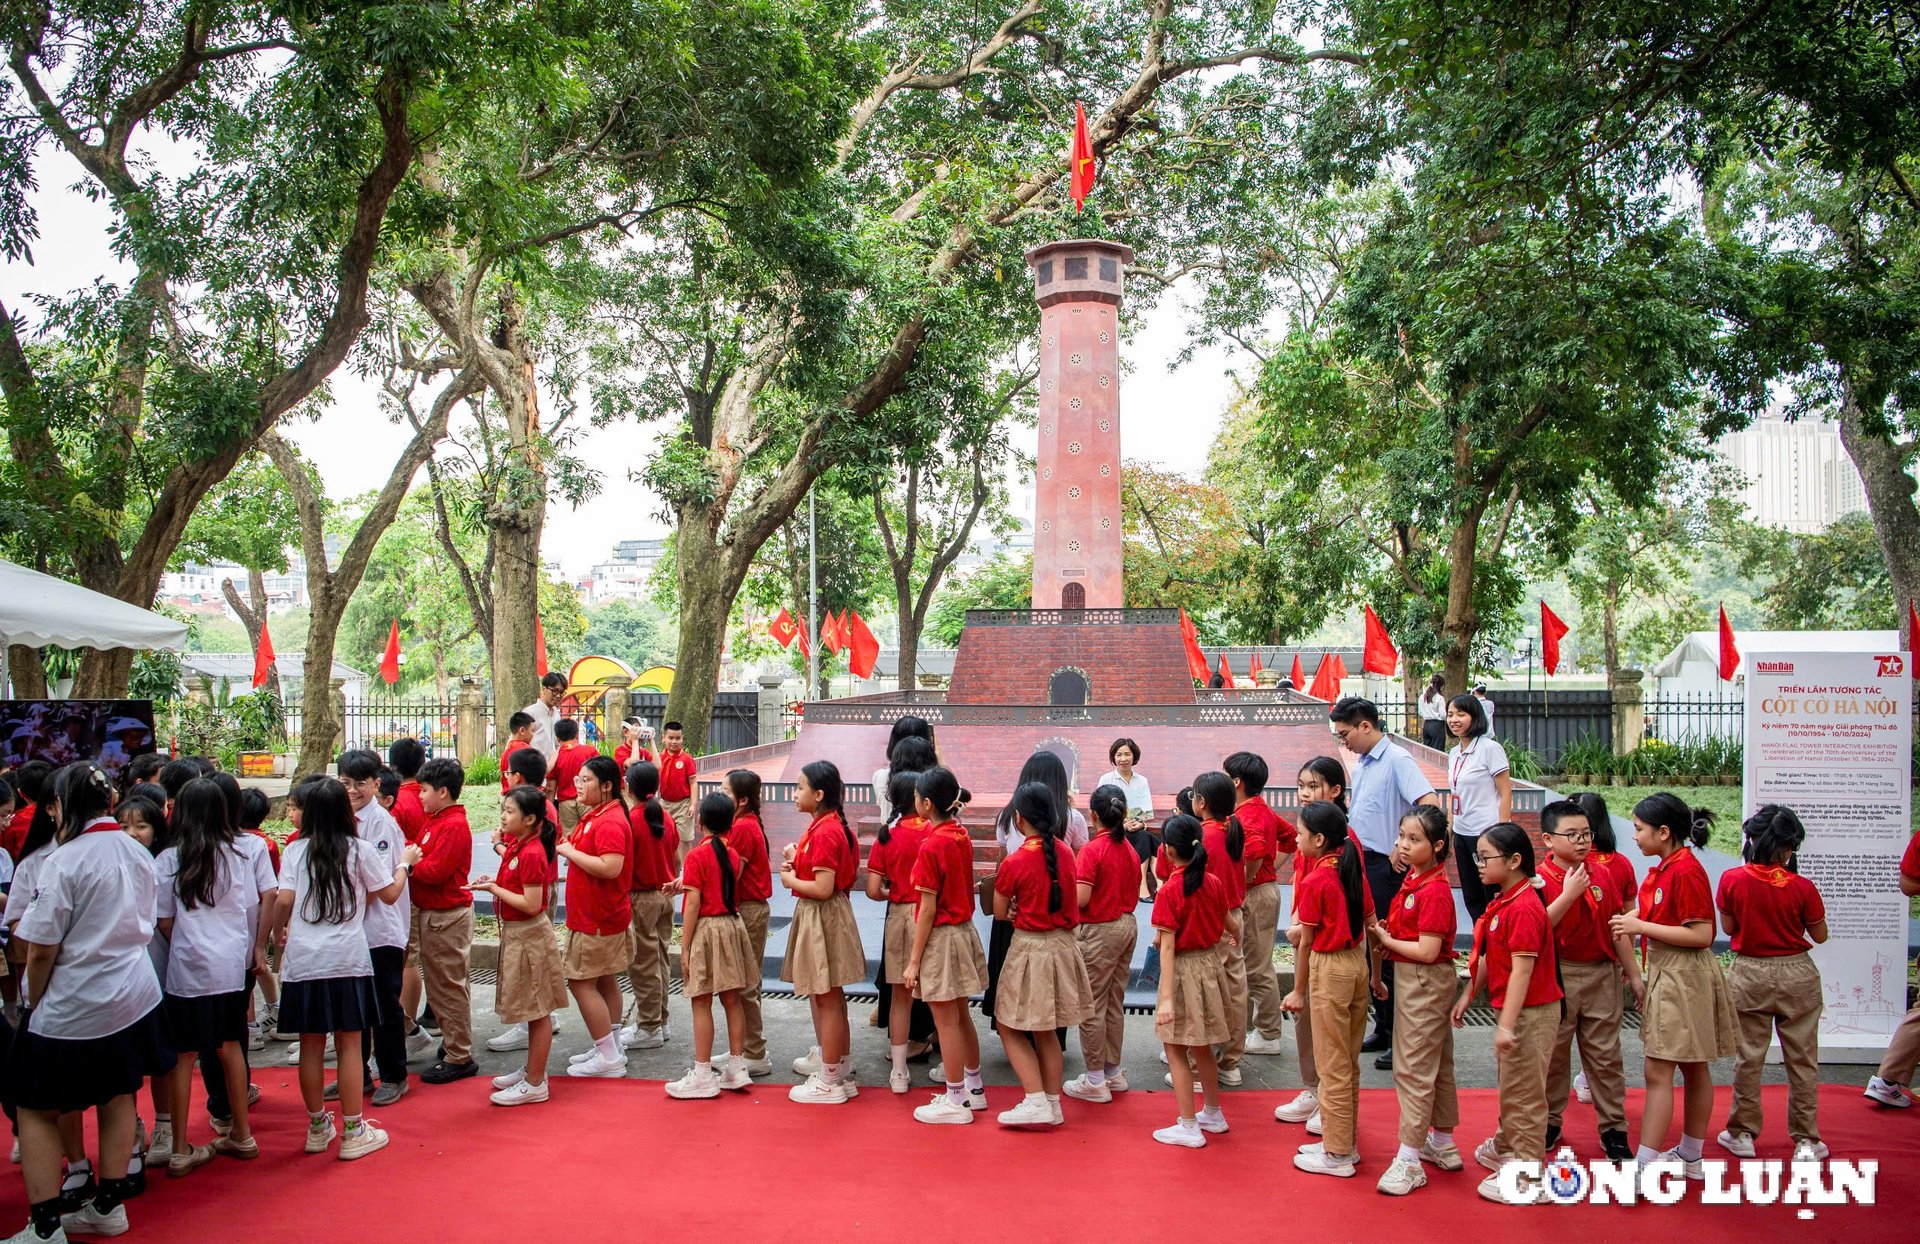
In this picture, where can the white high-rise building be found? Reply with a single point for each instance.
(624, 575)
(1796, 474)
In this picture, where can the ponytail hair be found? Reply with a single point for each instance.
(1598, 821)
(643, 782)
(1181, 836)
(1332, 774)
(1109, 807)
(1034, 804)
(1183, 801)
(940, 788)
(1329, 822)
(900, 788)
(745, 785)
(1773, 835)
(824, 777)
(1433, 823)
(85, 793)
(715, 815)
(1665, 810)
(1215, 789)
(532, 801)
(1510, 839)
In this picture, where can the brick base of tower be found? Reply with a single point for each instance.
(1122, 662)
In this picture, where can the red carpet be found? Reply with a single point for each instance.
(618, 1160)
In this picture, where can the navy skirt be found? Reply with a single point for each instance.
(52, 1073)
(209, 1022)
(337, 1004)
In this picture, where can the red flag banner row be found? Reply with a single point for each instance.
(845, 631)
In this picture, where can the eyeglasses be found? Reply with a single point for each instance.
(1481, 861)
(1578, 835)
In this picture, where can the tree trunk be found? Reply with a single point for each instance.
(252, 613)
(516, 521)
(1610, 629)
(1461, 621)
(706, 592)
(1890, 492)
(27, 674)
(319, 727)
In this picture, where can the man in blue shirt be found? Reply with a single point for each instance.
(1387, 781)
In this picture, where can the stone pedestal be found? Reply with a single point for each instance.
(1629, 710)
(1077, 525)
(469, 721)
(773, 696)
(616, 706)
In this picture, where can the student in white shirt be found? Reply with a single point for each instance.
(387, 1043)
(96, 1028)
(1433, 713)
(328, 878)
(211, 883)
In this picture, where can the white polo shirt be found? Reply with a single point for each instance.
(543, 719)
(1139, 794)
(95, 901)
(387, 923)
(1470, 772)
(329, 951)
(211, 945)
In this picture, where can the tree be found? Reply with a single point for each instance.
(1832, 580)
(1181, 543)
(409, 580)
(1004, 582)
(1625, 552)
(632, 631)
(248, 519)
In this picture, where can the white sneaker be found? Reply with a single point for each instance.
(1446, 1157)
(583, 1055)
(1887, 1093)
(1313, 1125)
(520, 1094)
(937, 1073)
(1117, 1080)
(1163, 1056)
(900, 1080)
(89, 1221)
(1487, 1154)
(365, 1139)
(1580, 1090)
(1696, 1169)
(943, 1109)
(421, 1043)
(1304, 1106)
(1810, 1151)
(256, 1037)
(1182, 1133)
(1739, 1144)
(850, 1081)
(815, 1091)
(1053, 1104)
(1490, 1190)
(1323, 1163)
(599, 1067)
(514, 1038)
(1082, 1089)
(634, 1037)
(736, 1078)
(1402, 1177)
(1257, 1044)
(516, 1076)
(695, 1084)
(320, 1134)
(1031, 1112)
(1213, 1120)
(161, 1146)
(1230, 1077)
(809, 1064)
(977, 1098)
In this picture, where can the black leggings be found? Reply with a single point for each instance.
(1473, 892)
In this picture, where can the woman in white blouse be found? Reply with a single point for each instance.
(1123, 754)
(1433, 714)
(1480, 791)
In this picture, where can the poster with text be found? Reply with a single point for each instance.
(1830, 735)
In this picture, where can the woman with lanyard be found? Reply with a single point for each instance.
(1123, 754)
(1481, 791)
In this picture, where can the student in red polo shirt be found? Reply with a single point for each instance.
(654, 843)
(1418, 938)
(1773, 916)
(405, 758)
(1333, 973)
(677, 771)
(890, 864)
(634, 734)
(1889, 1084)
(532, 981)
(599, 919)
(749, 842)
(714, 951)
(572, 754)
(1211, 798)
(1108, 870)
(519, 735)
(1513, 957)
(1271, 841)
(1191, 923)
(443, 917)
(1582, 895)
(947, 965)
(823, 944)
(30, 783)
(1688, 1018)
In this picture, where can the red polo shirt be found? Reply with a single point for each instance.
(566, 767)
(1423, 906)
(1023, 878)
(524, 864)
(1113, 870)
(1232, 872)
(14, 838)
(1269, 836)
(1910, 862)
(1769, 910)
(703, 874)
(676, 776)
(439, 881)
(1622, 870)
(1197, 923)
(627, 754)
(944, 869)
(826, 845)
(1582, 936)
(1322, 903)
(650, 859)
(1676, 892)
(408, 812)
(749, 842)
(1515, 923)
(513, 745)
(598, 905)
(894, 859)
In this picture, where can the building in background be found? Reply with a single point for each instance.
(625, 573)
(1796, 475)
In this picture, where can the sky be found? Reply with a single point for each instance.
(1169, 417)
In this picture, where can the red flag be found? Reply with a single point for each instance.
(539, 647)
(806, 649)
(1254, 667)
(1226, 674)
(1552, 631)
(1325, 686)
(1299, 676)
(1379, 656)
(1080, 184)
(830, 635)
(1339, 671)
(783, 629)
(862, 647)
(1913, 635)
(262, 654)
(390, 659)
(1729, 655)
(1196, 659)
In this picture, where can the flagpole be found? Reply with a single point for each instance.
(813, 605)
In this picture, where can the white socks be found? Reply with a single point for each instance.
(609, 1047)
(974, 1083)
(705, 1069)
(1438, 1139)
(1690, 1147)
(899, 1055)
(1096, 1075)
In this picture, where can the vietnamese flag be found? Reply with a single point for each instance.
(539, 647)
(1325, 685)
(1298, 677)
(830, 635)
(1080, 183)
(863, 649)
(806, 649)
(262, 654)
(1226, 674)
(1729, 654)
(1196, 659)
(783, 629)
(1254, 667)
(390, 659)
(1552, 631)
(1379, 656)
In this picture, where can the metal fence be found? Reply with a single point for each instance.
(1695, 717)
(1547, 723)
(377, 723)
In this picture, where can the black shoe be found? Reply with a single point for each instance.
(444, 1072)
(1384, 1062)
(73, 1200)
(1376, 1041)
(1553, 1137)
(429, 1020)
(1615, 1143)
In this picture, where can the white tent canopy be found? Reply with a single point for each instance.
(37, 610)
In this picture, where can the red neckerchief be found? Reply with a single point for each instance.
(1483, 927)
(100, 825)
(1773, 874)
(1415, 880)
(1555, 870)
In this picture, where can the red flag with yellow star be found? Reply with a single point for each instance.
(1083, 171)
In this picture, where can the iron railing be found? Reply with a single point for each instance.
(1073, 617)
(880, 710)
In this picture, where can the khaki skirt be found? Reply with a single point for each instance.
(823, 946)
(593, 955)
(532, 984)
(897, 946)
(953, 967)
(1689, 1015)
(719, 959)
(1044, 983)
(1199, 1000)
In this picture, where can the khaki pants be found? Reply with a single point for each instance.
(1337, 981)
(1235, 1046)
(648, 973)
(1594, 1013)
(1260, 927)
(569, 814)
(681, 810)
(1303, 1041)
(441, 940)
(753, 1044)
(1777, 993)
(1423, 996)
(1107, 950)
(1523, 1085)
(1903, 1051)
